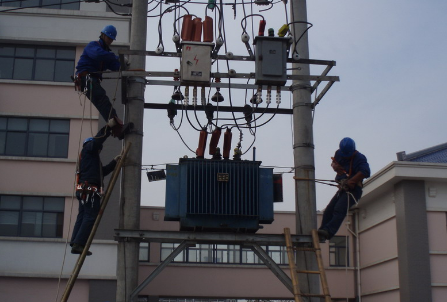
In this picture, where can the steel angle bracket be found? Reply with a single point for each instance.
(271, 264)
(160, 268)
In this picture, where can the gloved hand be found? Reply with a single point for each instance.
(342, 184)
(117, 158)
(352, 182)
(337, 168)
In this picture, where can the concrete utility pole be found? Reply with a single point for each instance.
(127, 271)
(303, 147)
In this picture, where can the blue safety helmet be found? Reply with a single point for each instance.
(347, 147)
(87, 140)
(110, 31)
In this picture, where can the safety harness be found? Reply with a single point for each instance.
(86, 191)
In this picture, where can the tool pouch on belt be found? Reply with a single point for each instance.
(77, 80)
(86, 192)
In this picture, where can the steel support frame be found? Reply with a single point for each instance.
(317, 78)
(253, 241)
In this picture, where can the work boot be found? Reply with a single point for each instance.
(119, 129)
(323, 235)
(78, 249)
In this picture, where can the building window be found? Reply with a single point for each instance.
(223, 254)
(168, 248)
(55, 4)
(34, 137)
(31, 216)
(338, 251)
(37, 63)
(227, 253)
(144, 252)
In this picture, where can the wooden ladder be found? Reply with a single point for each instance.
(294, 271)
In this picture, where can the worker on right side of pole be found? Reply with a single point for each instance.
(351, 167)
(96, 58)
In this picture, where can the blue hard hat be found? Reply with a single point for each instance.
(347, 147)
(110, 31)
(87, 140)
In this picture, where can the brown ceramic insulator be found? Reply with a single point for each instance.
(200, 152)
(208, 29)
(262, 24)
(187, 28)
(227, 144)
(214, 140)
(197, 29)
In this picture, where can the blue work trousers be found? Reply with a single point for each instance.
(88, 211)
(97, 95)
(336, 210)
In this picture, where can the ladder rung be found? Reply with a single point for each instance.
(308, 272)
(305, 249)
(314, 295)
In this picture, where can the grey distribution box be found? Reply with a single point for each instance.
(271, 60)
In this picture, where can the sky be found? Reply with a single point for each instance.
(391, 57)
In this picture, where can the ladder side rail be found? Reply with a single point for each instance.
(292, 265)
(316, 243)
(104, 202)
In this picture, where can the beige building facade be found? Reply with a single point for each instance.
(394, 247)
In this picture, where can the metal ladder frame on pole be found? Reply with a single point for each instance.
(294, 271)
(81, 259)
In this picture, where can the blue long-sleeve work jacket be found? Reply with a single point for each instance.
(352, 165)
(90, 166)
(96, 57)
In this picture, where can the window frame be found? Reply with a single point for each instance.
(38, 56)
(9, 136)
(59, 5)
(144, 250)
(240, 255)
(58, 223)
(339, 254)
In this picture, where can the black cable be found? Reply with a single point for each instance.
(244, 28)
(113, 11)
(187, 117)
(184, 142)
(118, 4)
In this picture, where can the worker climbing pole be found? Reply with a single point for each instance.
(84, 251)
(96, 58)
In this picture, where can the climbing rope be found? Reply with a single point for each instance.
(77, 166)
(72, 201)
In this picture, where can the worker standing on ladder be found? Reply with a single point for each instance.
(97, 57)
(351, 167)
(89, 186)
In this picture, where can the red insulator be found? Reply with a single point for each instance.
(197, 29)
(187, 28)
(214, 140)
(227, 144)
(262, 24)
(200, 152)
(208, 29)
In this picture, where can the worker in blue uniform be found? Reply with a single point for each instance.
(351, 167)
(96, 58)
(89, 186)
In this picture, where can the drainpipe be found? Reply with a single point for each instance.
(357, 248)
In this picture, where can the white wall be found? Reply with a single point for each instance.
(41, 257)
(61, 26)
